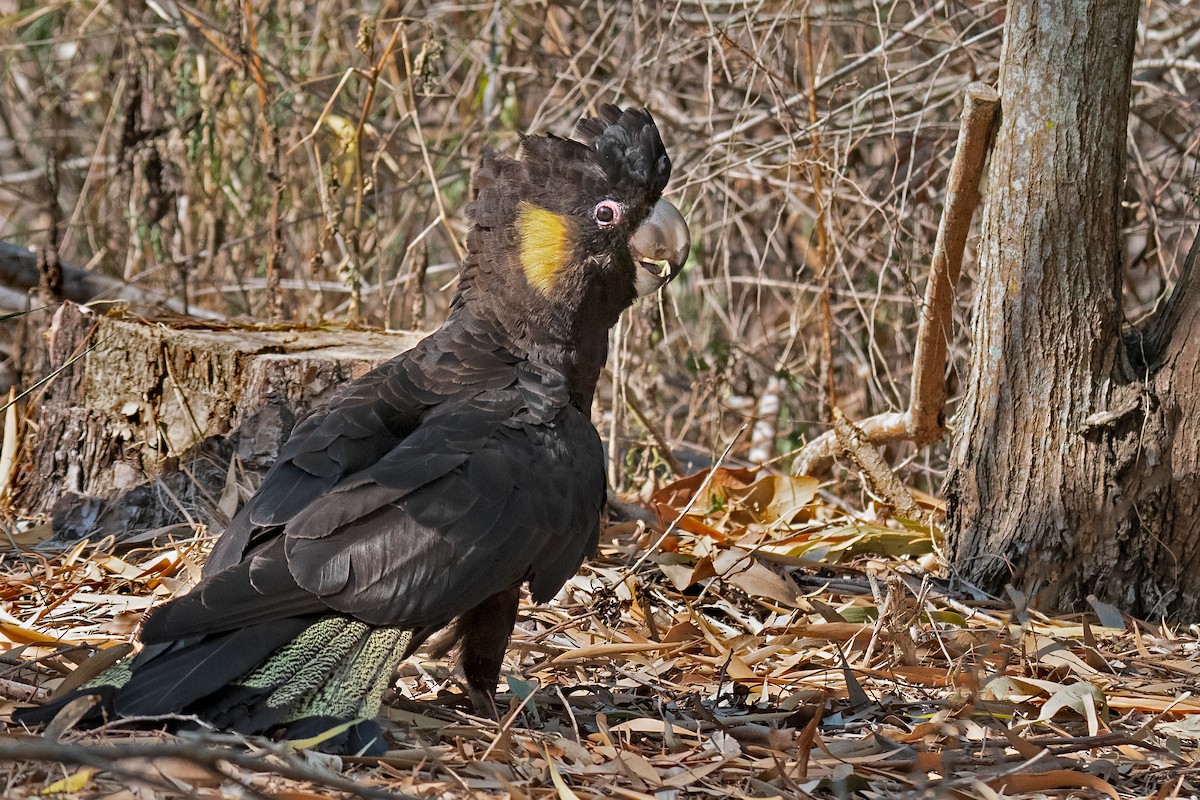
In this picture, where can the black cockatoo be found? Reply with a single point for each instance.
(424, 494)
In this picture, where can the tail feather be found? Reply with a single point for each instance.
(116, 676)
(394, 650)
(325, 655)
(169, 677)
(161, 679)
(335, 671)
(269, 695)
(305, 674)
(356, 688)
(290, 659)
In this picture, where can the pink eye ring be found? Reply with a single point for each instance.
(607, 213)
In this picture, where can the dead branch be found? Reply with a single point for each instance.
(12, 690)
(108, 757)
(19, 271)
(762, 435)
(925, 420)
(928, 396)
(879, 476)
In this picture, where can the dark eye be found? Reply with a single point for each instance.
(607, 213)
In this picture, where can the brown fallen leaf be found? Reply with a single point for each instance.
(833, 631)
(610, 649)
(740, 568)
(1053, 779)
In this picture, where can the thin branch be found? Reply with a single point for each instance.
(924, 421)
(820, 253)
(928, 394)
(274, 760)
(355, 236)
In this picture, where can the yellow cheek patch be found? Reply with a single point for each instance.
(546, 242)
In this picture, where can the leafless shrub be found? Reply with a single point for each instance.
(307, 161)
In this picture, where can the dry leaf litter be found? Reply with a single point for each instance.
(754, 638)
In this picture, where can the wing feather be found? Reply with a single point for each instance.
(521, 503)
(407, 517)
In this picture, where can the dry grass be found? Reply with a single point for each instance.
(311, 160)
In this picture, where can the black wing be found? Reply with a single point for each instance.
(463, 508)
(360, 423)
(409, 502)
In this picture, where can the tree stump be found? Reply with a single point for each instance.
(145, 419)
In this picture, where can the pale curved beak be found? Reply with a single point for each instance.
(659, 246)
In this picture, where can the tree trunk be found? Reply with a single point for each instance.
(143, 417)
(1076, 450)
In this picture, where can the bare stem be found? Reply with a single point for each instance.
(924, 421)
(927, 399)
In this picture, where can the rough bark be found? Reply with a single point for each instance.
(140, 424)
(1075, 455)
(1160, 550)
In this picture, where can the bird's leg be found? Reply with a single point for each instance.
(483, 633)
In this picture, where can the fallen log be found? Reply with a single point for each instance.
(19, 274)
